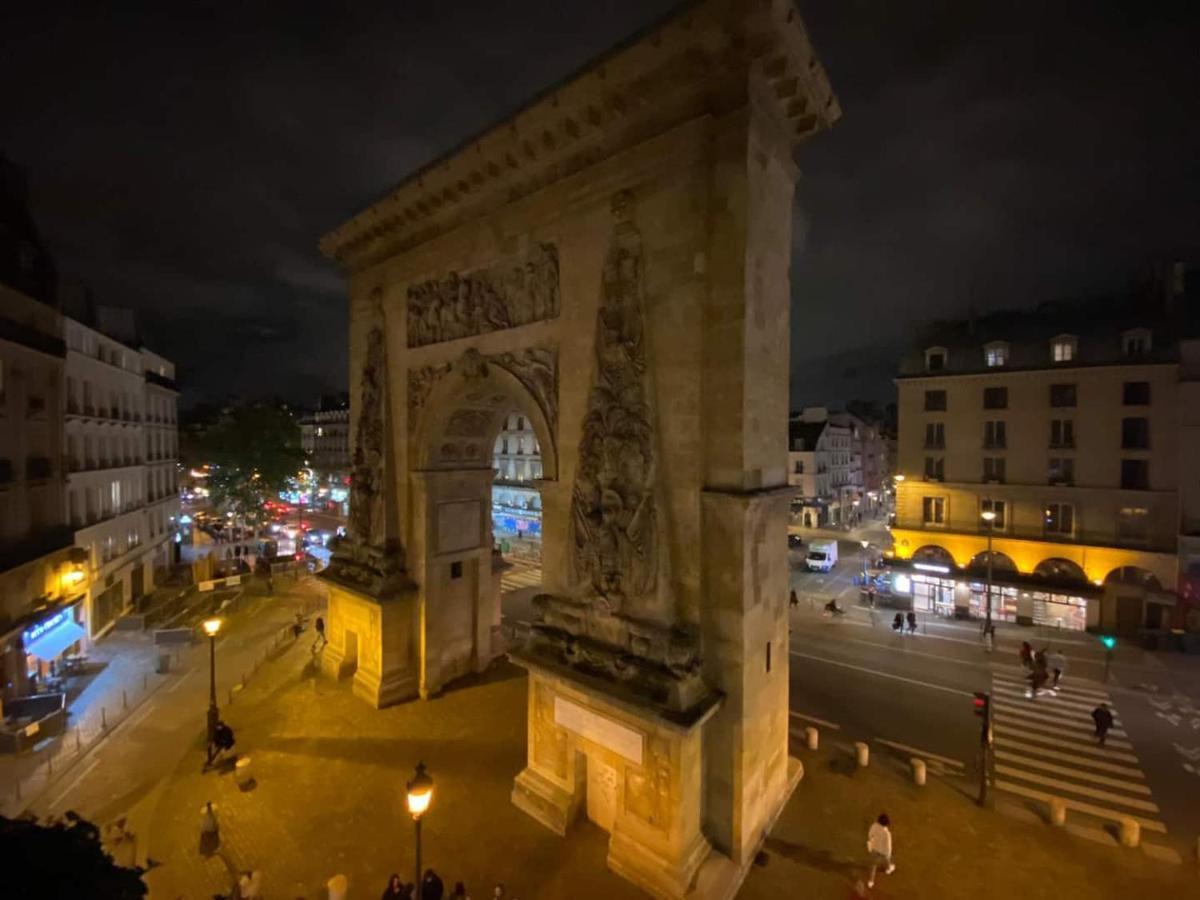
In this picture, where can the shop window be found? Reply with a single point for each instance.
(993, 468)
(1135, 475)
(995, 435)
(999, 507)
(1135, 434)
(935, 434)
(1062, 348)
(1136, 393)
(1062, 433)
(1062, 395)
(933, 510)
(1062, 470)
(1060, 519)
(995, 398)
(935, 401)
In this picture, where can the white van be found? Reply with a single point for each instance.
(822, 555)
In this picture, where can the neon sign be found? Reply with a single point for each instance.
(46, 625)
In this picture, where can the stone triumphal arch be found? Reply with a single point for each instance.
(612, 262)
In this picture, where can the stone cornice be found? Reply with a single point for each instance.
(710, 56)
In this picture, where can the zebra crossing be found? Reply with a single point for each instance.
(1046, 748)
(521, 575)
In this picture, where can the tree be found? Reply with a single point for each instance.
(63, 859)
(253, 450)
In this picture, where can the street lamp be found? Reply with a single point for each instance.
(989, 516)
(865, 546)
(420, 794)
(211, 627)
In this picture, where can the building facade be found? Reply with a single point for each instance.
(517, 464)
(121, 454)
(826, 464)
(1070, 428)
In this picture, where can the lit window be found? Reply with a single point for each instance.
(1060, 518)
(933, 510)
(1062, 348)
(995, 354)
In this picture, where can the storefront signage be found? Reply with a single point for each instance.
(46, 625)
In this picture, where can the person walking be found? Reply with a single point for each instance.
(793, 600)
(459, 892)
(879, 848)
(989, 637)
(431, 886)
(871, 596)
(912, 622)
(1058, 665)
(394, 889)
(319, 625)
(1103, 718)
(1027, 655)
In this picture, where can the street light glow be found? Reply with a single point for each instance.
(420, 792)
(988, 515)
(212, 626)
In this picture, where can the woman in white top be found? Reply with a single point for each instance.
(879, 848)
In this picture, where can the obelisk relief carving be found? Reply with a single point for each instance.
(614, 530)
(371, 558)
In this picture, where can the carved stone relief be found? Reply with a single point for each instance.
(493, 299)
(613, 543)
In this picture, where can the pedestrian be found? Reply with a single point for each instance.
(879, 848)
(319, 625)
(871, 596)
(793, 600)
(898, 623)
(1058, 665)
(250, 885)
(431, 886)
(459, 892)
(912, 622)
(1027, 655)
(989, 637)
(498, 892)
(394, 889)
(1038, 676)
(1103, 718)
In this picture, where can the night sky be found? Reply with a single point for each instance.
(185, 159)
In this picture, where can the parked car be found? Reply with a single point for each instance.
(795, 542)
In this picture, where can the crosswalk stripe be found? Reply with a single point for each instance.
(1094, 793)
(1063, 688)
(1033, 719)
(1029, 748)
(1090, 750)
(1049, 698)
(1074, 773)
(1080, 805)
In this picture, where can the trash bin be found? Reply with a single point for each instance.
(164, 663)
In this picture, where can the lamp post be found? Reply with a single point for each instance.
(988, 516)
(865, 546)
(420, 793)
(211, 627)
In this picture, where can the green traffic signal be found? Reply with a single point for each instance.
(1108, 641)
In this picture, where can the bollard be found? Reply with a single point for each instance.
(1131, 832)
(862, 753)
(812, 738)
(1058, 811)
(124, 699)
(918, 767)
(338, 887)
(103, 719)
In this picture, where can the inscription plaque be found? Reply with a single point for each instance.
(598, 729)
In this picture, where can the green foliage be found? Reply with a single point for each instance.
(253, 449)
(62, 859)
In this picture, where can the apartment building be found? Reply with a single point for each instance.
(1076, 430)
(517, 464)
(121, 453)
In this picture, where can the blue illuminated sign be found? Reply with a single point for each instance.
(46, 625)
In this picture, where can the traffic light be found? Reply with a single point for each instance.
(1109, 641)
(982, 701)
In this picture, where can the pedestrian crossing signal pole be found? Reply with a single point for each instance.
(1110, 644)
(983, 709)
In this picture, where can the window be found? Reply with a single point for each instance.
(1062, 348)
(995, 398)
(1062, 433)
(320, 431)
(935, 359)
(520, 423)
(1062, 395)
(1133, 524)
(995, 506)
(1062, 470)
(935, 468)
(993, 468)
(1135, 434)
(1135, 342)
(799, 470)
(935, 434)
(995, 354)
(1136, 393)
(935, 401)
(1060, 519)
(115, 491)
(995, 436)
(933, 510)
(456, 569)
(1135, 475)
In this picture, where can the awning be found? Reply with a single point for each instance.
(51, 644)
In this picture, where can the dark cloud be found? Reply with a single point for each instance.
(187, 157)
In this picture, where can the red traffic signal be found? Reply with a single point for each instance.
(981, 702)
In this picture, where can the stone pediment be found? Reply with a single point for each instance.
(706, 59)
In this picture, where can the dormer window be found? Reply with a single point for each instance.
(995, 354)
(935, 359)
(1063, 348)
(1136, 342)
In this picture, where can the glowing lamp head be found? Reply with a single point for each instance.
(73, 576)
(865, 544)
(1108, 641)
(420, 792)
(212, 626)
(988, 516)
(898, 478)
